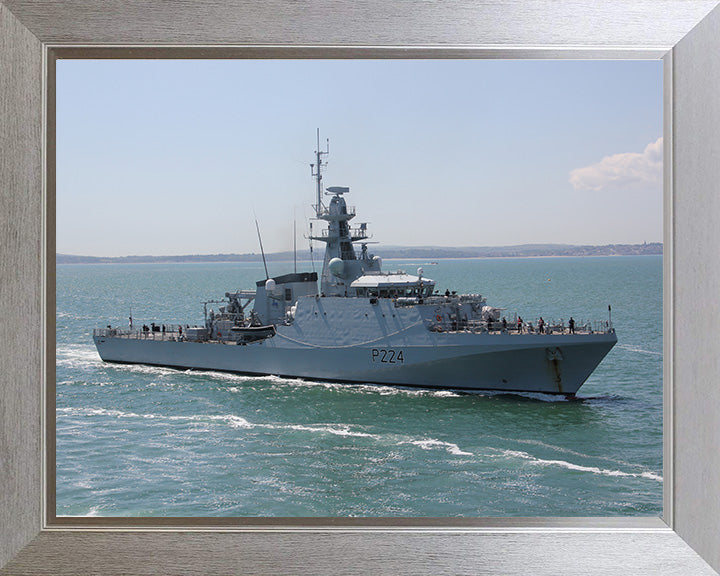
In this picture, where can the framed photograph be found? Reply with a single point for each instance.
(405, 544)
(262, 384)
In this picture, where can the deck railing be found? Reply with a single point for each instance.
(171, 333)
(550, 328)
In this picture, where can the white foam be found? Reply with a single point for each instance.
(228, 376)
(282, 380)
(232, 420)
(638, 350)
(561, 449)
(540, 396)
(146, 369)
(579, 468)
(239, 422)
(77, 356)
(100, 412)
(81, 356)
(544, 397)
(344, 431)
(431, 443)
(444, 394)
(364, 388)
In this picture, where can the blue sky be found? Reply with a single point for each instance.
(177, 157)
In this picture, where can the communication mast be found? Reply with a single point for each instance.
(317, 173)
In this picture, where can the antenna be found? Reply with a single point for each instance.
(317, 174)
(295, 245)
(312, 260)
(261, 249)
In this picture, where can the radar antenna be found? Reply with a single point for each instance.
(317, 173)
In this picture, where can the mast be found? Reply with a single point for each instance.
(317, 174)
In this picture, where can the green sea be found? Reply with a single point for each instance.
(146, 441)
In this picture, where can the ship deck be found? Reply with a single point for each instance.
(175, 335)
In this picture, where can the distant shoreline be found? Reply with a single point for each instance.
(429, 253)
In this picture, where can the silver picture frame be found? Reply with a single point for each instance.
(684, 33)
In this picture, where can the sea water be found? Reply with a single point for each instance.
(137, 440)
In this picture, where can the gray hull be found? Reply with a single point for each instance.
(452, 367)
(393, 347)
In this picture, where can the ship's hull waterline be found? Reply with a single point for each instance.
(551, 364)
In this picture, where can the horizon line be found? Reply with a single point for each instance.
(526, 246)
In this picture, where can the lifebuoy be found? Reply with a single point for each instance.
(219, 335)
(438, 318)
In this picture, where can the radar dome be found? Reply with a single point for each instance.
(270, 285)
(336, 266)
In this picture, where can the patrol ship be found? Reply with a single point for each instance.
(364, 325)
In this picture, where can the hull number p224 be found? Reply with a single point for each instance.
(387, 356)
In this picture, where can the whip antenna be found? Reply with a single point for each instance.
(261, 249)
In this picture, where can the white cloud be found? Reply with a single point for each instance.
(622, 171)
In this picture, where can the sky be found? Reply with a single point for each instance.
(171, 157)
